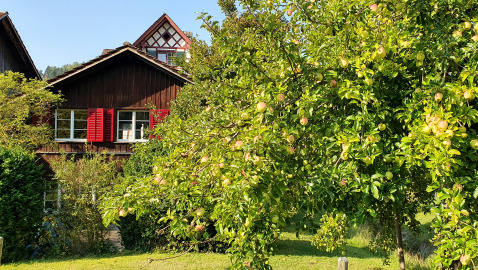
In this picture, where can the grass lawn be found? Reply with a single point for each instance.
(290, 253)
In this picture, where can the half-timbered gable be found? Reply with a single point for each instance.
(109, 100)
(164, 39)
(13, 54)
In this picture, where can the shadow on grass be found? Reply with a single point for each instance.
(305, 248)
(125, 253)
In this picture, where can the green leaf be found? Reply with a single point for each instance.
(475, 194)
(375, 192)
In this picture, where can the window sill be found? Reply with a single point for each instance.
(70, 140)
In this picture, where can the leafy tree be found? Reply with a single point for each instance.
(345, 106)
(53, 71)
(21, 101)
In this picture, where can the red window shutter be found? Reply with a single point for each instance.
(108, 125)
(95, 125)
(156, 117)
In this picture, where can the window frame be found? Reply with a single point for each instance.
(72, 126)
(133, 126)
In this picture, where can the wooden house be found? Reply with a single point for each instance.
(13, 54)
(164, 39)
(108, 101)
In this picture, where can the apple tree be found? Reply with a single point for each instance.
(357, 107)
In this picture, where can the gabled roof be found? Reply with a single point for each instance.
(12, 33)
(127, 47)
(152, 29)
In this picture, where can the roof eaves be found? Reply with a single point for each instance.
(113, 53)
(4, 15)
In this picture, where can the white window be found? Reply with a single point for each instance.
(133, 126)
(70, 125)
(51, 196)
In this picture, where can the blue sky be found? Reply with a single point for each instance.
(58, 32)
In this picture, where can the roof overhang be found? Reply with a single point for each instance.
(113, 54)
(18, 43)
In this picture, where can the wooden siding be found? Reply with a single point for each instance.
(83, 148)
(9, 57)
(127, 83)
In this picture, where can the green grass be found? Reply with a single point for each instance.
(290, 253)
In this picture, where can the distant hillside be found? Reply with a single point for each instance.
(52, 71)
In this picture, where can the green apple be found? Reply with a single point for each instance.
(426, 129)
(304, 121)
(442, 125)
(245, 116)
(462, 129)
(474, 144)
(382, 127)
(468, 95)
(389, 175)
(465, 259)
(280, 97)
(198, 227)
(200, 211)
(368, 161)
(261, 107)
(226, 182)
(447, 143)
(374, 8)
(368, 81)
(381, 52)
(420, 56)
(467, 25)
(343, 62)
(275, 219)
(319, 77)
(333, 83)
(258, 161)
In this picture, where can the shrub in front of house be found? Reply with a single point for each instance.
(82, 181)
(21, 201)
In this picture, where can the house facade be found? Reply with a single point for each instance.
(13, 53)
(109, 99)
(109, 102)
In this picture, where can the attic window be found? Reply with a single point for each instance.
(166, 36)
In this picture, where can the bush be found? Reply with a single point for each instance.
(21, 201)
(83, 181)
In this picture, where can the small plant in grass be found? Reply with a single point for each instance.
(332, 233)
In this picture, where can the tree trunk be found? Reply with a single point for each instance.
(398, 230)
